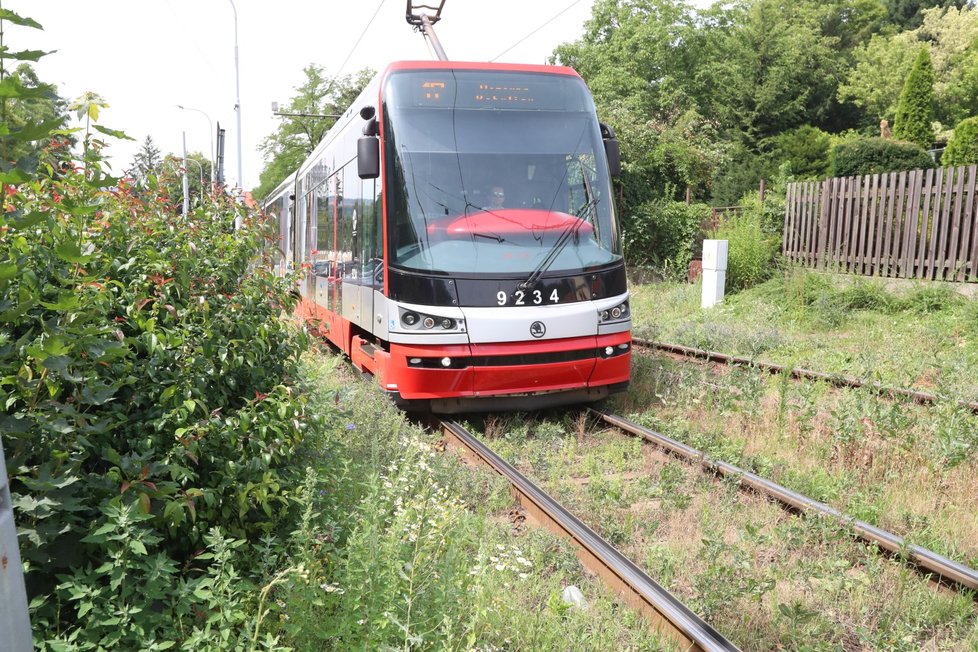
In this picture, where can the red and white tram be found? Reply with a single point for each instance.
(453, 296)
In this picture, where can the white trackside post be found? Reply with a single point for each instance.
(714, 271)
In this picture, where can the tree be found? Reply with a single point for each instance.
(915, 113)
(769, 70)
(37, 108)
(962, 149)
(30, 109)
(297, 137)
(882, 66)
(145, 162)
(883, 63)
(636, 52)
(909, 14)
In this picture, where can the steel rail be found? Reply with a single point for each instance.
(944, 568)
(924, 398)
(668, 615)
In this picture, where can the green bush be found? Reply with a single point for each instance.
(930, 298)
(876, 156)
(915, 111)
(146, 376)
(662, 233)
(962, 149)
(752, 253)
(862, 295)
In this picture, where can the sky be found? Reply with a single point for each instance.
(145, 57)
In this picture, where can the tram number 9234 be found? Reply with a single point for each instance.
(521, 298)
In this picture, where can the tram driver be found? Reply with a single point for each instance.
(497, 198)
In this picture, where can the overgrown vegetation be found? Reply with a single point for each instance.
(414, 551)
(753, 240)
(663, 233)
(151, 422)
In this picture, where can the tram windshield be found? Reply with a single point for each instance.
(495, 172)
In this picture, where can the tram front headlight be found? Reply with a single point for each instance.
(429, 322)
(410, 318)
(615, 313)
(448, 323)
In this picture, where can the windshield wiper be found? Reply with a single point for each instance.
(489, 236)
(570, 231)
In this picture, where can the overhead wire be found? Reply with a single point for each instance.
(552, 19)
(353, 49)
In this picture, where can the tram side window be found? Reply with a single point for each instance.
(364, 224)
(347, 267)
(301, 220)
(273, 249)
(311, 226)
(324, 231)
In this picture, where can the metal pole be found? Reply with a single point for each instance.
(237, 103)
(237, 107)
(186, 179)
(200, 169)
(429, 31)
(210, 138)
(15, 621)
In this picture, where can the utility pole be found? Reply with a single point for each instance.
(186, 178)
(220, 155)
(237, 104)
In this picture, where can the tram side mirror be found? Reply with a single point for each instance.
(368, 147)
(611, 150)
(368, 157)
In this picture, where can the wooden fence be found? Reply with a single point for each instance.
(913, 224)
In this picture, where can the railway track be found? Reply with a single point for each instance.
(945, 570)
(668, 615)
(838, 380)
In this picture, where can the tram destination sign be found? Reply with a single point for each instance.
(490, 90)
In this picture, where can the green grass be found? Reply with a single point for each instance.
(408, 548)
(765, 578)
(925, 337)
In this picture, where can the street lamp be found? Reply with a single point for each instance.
(201, 167)
(210, 139)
